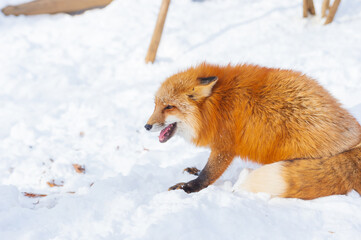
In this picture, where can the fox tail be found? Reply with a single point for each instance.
(308, 178)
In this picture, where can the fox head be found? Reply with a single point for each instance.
(177, 105)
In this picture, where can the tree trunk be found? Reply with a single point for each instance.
(305, 8)
(311, 7)
(157, 34)
(332, 11)
(325, 7)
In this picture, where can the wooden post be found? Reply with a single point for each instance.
(325, 7)
(53, 6)
(311, 7)
(157, 34)
(332, 11)
(305, 8)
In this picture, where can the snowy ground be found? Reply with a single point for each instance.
(76, 90)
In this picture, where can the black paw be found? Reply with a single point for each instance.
(177, 186)
(189, 187)
(192, 186)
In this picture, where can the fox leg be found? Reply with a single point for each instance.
(216, 165)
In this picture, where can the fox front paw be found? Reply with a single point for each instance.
(189, 187)
(177, 186)
(192, 170)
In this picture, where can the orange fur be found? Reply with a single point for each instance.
(261, 114)
(312, 178)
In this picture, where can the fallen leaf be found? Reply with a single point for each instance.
(78, 168)
(53, 184)
(34, 195)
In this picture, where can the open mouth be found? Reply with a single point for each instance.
(167, 132)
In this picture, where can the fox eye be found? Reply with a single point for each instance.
(169, 107)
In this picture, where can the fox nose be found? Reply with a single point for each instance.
(148, 126)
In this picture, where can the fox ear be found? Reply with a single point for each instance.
(204, 89)
(207, 80)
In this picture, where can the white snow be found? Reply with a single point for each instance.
(76, 90)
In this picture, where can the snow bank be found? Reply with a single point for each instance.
(76, 90)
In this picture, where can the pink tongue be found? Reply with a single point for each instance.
(163, 132)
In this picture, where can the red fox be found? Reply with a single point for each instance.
(281, 118)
